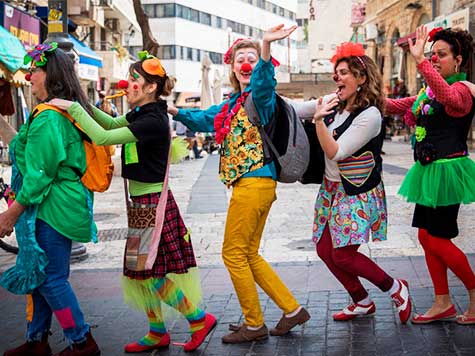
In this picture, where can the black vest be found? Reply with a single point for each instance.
(446, 136)
(374, 146)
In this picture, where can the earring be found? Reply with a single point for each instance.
(358, 89)
(456, 68)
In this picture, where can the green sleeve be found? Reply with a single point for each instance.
(106, 121)
(96, 132)
(44, 152)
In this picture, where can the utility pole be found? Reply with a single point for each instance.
(58, 32)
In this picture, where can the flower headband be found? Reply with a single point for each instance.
(433, 32)
(151, 64)
(37, 56)
(349, 49)
(227, 56)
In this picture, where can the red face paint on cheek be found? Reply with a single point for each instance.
(135, 87)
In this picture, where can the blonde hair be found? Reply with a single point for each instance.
(371, 91)
(240, 45)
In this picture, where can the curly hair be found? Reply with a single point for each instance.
(461, 43)
(165, 84)
(242, 44)
(371, 92)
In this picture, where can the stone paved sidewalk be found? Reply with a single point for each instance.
(114, 323)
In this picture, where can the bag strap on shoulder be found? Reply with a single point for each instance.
(255, 119)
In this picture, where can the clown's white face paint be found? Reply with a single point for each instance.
(243, 73)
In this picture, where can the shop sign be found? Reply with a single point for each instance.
(23, 26)
(88, 72)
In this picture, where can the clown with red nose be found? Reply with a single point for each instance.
(253, 181)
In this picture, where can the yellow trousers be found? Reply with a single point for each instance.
(249, 207)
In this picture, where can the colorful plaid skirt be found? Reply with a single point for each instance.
(175, 251)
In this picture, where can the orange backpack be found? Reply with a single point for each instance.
(99, 166)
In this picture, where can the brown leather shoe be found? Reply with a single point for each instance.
(285, 324)
(86, 348)
(243, 334)
(32, 348)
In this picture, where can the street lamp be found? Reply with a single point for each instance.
(58, 32)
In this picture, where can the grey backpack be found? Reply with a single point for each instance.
(284, 139)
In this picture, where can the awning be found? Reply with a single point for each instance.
(402, 42)
(86, 55)
(11, 51)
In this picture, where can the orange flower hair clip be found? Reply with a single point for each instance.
(151, 64)
(348, 49)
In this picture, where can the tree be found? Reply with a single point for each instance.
(6, 130)
(149, 42)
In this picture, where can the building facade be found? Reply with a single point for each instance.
(188, 30)
(389, 24)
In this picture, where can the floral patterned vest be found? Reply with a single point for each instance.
(242, 150)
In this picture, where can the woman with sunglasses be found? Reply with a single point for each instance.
(443, 176)
(51, 209)
(172, 277)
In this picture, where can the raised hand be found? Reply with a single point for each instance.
(61, 103)
(417, 49)
(278, 32)
(323, 109)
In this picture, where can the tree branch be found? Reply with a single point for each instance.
(150, 44)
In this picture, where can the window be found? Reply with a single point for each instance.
(189, 54)
(219, 22)
(149, 9)
(194, 54)
(179, 10)
(205, 19)
(186, 13)
(167, 52)
(321, 47)
(281, 11)
(169, 10)
(194, 15)
(216, 58)
(261, 4)
(198, 57)
(333, 47)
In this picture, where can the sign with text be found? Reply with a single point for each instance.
(22, 25)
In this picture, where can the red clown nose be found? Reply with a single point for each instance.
(122, 84)
(434, 58)
(246, 67)
(28, 77)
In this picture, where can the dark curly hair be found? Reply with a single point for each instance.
(461, 43)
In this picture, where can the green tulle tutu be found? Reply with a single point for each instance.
(440, 183)
(179, 150)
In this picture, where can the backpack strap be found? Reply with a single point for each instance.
(43, 107)
(255, 119)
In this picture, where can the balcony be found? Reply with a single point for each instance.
(113, 67)
(121, 12)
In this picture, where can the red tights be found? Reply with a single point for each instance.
(442, 254)
(347, 264)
